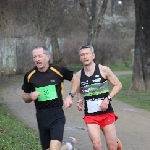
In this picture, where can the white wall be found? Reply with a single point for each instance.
(8, 60)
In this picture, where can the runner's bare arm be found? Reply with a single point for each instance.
(79, 92)
(108, 74)
(29, 97)
(75, 84)
(26, 97)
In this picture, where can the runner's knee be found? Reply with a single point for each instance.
(111, 145)
(96, 145)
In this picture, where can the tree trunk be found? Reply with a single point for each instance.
(141, 69)
(94, 17)
(57, 56)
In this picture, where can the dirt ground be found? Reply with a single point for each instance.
(132, 126)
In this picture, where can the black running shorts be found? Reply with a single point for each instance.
(51, 125)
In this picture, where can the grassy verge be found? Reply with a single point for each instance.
(15, 135)
(139, 99)
(120, 66)
(75, 68)
(117, 67)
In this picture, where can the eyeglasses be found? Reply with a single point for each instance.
(86, 46)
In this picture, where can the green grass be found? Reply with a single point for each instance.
(120, 67)
(139, 99)
(75, 68)
(117, 67)
(14, 134)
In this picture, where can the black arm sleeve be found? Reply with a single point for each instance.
(68, 74)
(26, 87)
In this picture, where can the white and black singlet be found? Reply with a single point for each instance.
(95, 90)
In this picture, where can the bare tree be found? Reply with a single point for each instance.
(141, 69)
(94, 16)
(48, 16)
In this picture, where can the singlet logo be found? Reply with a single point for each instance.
(84, 83)
(86, 90)
(96, 75)
(97, 80)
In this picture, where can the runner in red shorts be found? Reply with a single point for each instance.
(94, 92)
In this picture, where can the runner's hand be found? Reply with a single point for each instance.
(68, 102)
(34, 95)
(104, 104)
(79, 105)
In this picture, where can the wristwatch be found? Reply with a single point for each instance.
(72, 95)
(109, 98)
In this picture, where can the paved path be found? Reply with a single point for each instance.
(133, 125)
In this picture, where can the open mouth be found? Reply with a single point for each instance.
(39, 63)
(86, 61)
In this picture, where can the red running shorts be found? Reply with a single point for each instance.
(102, 119)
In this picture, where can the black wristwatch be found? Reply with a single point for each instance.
(109, 98)
(72, 95)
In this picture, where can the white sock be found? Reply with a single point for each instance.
(69, 146)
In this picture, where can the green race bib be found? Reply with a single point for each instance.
(47, 93)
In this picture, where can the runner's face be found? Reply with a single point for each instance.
(40, 59)
(86, 56)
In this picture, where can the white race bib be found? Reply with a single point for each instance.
(93, 106)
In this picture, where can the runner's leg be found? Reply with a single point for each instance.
(109, 132)
(94, 134)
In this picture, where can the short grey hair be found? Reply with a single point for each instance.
(45, 50)
(86, 46)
